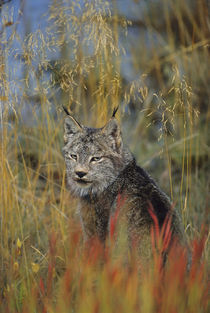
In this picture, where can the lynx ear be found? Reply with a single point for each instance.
(113, 132)
(71, 127)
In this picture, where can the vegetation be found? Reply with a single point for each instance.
(90, 58)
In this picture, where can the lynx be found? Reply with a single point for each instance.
(99, 168)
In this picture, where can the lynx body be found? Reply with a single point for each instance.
(99, 169)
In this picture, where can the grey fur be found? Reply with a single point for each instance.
(108, 169)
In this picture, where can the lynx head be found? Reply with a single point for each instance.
(94, 156)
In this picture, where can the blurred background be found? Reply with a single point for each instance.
(149, 57)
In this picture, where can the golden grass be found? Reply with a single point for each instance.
(43, 265)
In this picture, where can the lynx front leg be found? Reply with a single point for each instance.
(87, 220)
(94, 222)
(101, 223)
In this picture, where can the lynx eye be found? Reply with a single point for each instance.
(73, 156)
(95, 159)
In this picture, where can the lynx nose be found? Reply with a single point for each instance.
(81, 174)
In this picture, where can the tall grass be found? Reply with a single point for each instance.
(77, 61)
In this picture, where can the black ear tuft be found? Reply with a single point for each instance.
(115, 111)
(65, 110)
